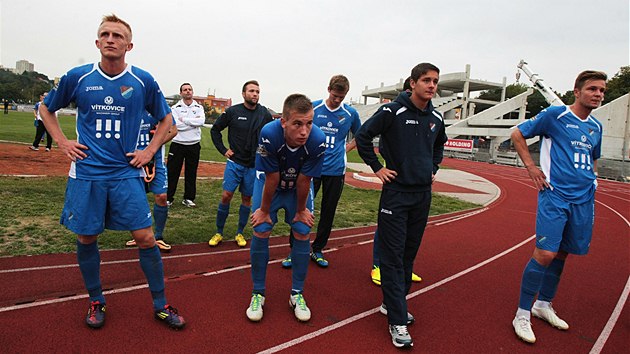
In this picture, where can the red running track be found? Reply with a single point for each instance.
(471, 265)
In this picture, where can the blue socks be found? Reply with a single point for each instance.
(160, 213)
(299, 263)
(151, 263)
(530, 284)
(243, 217)
(222, 213)
(259, 254)
(89, 261)
(550, 280)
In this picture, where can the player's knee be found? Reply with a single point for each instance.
(160, 199)
(264, 234)
(226, 197)
(301, 237)
(87, 239)
(544, 257)
(247, 201)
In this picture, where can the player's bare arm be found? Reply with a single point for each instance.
(520, 144)
(142, 157)
(70, 148)
(261, 215)
(302, 214)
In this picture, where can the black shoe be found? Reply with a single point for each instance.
(96, 315)
(170, 316)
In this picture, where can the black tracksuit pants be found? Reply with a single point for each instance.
(332, 187)
(402, 218)
(178, 154)
(39, 133)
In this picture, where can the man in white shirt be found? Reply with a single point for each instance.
(185, 147)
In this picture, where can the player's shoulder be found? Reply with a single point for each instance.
(317, 135)
(351, 110)
(271, 128)
(140, 73)
(79, 72)
(318, 104)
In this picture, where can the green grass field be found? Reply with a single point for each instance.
(29, 213)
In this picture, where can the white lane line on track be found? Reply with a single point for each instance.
(362, 315)
(439, 222)
(603, 337)
(123, 290)
(615, 211)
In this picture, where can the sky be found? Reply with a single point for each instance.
(294, 46)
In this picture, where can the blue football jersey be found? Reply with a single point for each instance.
(273, 155)
(336, 125)
(110, 111)
(569, 146)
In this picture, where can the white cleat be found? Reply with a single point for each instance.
(302, 312)
(549, 315)
(523, 329)
(255, 310)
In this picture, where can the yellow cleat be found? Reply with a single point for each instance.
(376, 276)
(240, 240)
(415, 277)
(215, 240)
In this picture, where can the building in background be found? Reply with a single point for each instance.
(23, 65)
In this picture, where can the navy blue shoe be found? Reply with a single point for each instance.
(318, 257)
(170, 317)
(96, 315)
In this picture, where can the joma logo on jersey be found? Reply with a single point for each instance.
(574, 126)
(242, 118)
(93, 88)
(386, 211)
(411, 121)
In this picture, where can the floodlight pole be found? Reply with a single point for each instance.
(540, 85)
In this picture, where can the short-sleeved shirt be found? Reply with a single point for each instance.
(273, 155)
(336, 124)
(110, 111)
(569, 147)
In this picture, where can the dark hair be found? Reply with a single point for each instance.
(407, 84)
(296, 103)
(254, 82)
(584, 76)
(184, 84)
(339, 83)
(422, 69)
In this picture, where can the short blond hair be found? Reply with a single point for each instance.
(115, 19)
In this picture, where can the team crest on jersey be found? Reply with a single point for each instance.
(590, 131)
(432, 126)
(126, 91)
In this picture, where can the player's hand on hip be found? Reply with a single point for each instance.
(139, 158)
(386, 175)
(304, 216)
(259, 217)
(73, 149)
(539, 178)
(229, 153)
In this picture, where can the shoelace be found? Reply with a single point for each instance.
(300, 302)
(93, 307)
(256, 302)
(401, 330)
(170, 309)
(524, 323)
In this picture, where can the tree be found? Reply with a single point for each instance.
(619, 85)
(535, 102)
(25, 87)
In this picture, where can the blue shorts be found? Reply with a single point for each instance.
(238, 175)
(286, 200)
(159, 185)
(561, 225)
(92, 206)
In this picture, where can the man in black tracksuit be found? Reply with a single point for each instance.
(412, 137)
(244, 122)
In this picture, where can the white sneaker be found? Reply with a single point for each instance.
(400, 336)
(255, 310)
(523, 329)
(302, 312)
(549, 315)
(189, 203)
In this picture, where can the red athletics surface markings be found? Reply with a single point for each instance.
(469, 313)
